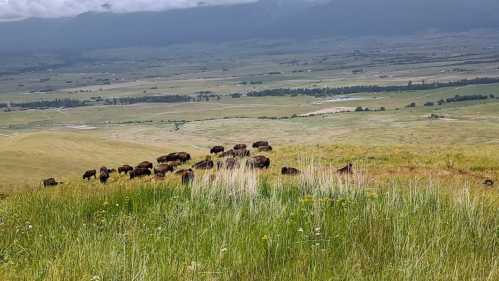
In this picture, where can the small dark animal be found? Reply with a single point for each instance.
(125, 169)
(139, 172)
(259, 144)
(89, 174)
(231, 164)
(183, 157)
(204, 165)
(346, 170)
(258, 162)
(50, 182)
(145, 165)
(265, 148)
(104, 175)
(163, 169)
(488, 182)
(111, 171)
(290, 171)
(187, 176)
(217, 149)
(239, 146)
(241, 153)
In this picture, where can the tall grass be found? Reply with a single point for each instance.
(243, 225)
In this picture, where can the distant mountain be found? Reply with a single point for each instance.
(263, 19)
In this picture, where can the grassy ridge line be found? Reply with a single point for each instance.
(244, 227)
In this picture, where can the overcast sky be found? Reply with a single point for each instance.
(15, 9)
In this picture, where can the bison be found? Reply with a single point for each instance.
(125, 169)
(217, 149)
(259, 144)
(346, 170)
(488, 182)
(187, 176)
(178, 156)
(204, 165)
(145, 165)
(231, 164)
(258, 162)
(139, 172)
(89, 174)
(163, 159)
(163, 169)
(104, 175)
(50, 182)
(241, 153)
(240, 146)
(111, 171)
(289, 171)
(266, 148)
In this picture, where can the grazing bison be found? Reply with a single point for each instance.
(111, 171)
(346, 170)
(258, 162)
(163, 159)
(139, 172)
(231, 164)
(145, 165)
(178, 156)
(50, 182)
(104, 174)
(163, 169)
(259, 144)
(217, 149)
(228, 153)
(488, 182)
(265, 148)
(89, 174)
(187, 176)
(289, 171)
(240, 146)
(204, 165)
(125, 169)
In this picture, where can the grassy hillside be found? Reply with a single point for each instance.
(244, 226)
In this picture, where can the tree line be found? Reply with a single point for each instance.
(325, 92)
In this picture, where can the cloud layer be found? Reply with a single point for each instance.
(15, 9)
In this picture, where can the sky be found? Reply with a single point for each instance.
(18, 9)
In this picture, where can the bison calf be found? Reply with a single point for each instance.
(259, 144)
(145, 165)
(217, 149)
(163, 169)
(239, 146)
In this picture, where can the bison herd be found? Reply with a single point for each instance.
(227, 159)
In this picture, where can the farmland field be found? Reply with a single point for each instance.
(415, 208)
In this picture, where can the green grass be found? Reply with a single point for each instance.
(316, 227)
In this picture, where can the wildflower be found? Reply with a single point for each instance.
(194, 266)
(300, 229)
(95, 278)
(159, 228)
(265, 237)
(106, 203)
(30, 226)
(117, 205)
(223, 250)
(317, 229)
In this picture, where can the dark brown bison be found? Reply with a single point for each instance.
(111, 171)
(259, 144)
(163, 169)
(231, 164)
(228, 153)
(103, 174)
(346, 170)
(163, 159)
(289, 171)
(258, 162)
(178, 156)
(204, 165)
(125, 169)
(240, 146)
(488, 182)
(187, 176)
(145, 165)
(265, 148)
(89, 174)
(217, 149)
(50, 182)
(139, 172)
